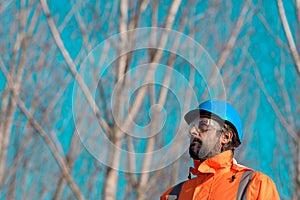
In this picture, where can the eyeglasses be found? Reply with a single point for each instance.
(205, 124)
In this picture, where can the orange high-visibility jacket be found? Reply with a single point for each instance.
(221, 177)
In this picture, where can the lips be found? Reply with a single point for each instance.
(196, 143)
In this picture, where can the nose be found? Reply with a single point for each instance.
(193, 131)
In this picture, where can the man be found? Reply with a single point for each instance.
(216, 130)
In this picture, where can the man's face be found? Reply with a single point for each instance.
(205, 134)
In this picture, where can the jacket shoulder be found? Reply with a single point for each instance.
(261, 177)
(262, 186)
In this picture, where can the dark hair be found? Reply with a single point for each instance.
(235, 142)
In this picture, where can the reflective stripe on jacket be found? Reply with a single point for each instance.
(221, 177)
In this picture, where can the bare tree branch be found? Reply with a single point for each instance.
(61, 183)
(298, 12)
(140, 96)
(144, 177)
(61, 162)
(279, 42)
(72, 67)
(112, 175)
(4, 5)
(110, 186)
(286, 97)
(123, 37)
(288, 34)
(297, 191)
(9, 109)
(280, 117)
(187, 101)
(230, 44)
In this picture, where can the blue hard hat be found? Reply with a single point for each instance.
(222, 110)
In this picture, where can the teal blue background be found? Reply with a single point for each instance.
(259, 70)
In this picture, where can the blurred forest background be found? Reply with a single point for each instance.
(255, 45)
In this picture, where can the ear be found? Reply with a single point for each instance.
(226, 137)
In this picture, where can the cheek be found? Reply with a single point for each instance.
(211, 139)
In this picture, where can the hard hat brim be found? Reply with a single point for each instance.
(193, 114)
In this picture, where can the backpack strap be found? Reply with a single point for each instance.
(243, 185)
(175, 192)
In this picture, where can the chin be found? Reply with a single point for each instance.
(194, 153)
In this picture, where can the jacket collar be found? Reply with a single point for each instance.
(220, 162)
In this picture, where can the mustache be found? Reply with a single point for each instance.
(196, 141)
(195, 146)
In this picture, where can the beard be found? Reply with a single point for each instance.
(194, 148)
(200, 150)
